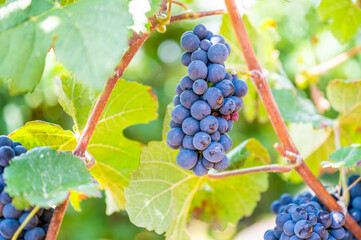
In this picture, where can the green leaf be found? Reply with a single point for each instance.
(89, 38)
(42, 177)
(295, 108)
(161, 196)
(344, 95)
(130, 103)
(345, 17)
(76, 99)
(38, 133)
(344, 156)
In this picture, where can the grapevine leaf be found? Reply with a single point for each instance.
(91, 32)
(295, 108)
(49, 180)
(344, 156)
(38, 133)
(344, 95)
(161, 196)
(76, 99)
(343, 28)
(130, 103)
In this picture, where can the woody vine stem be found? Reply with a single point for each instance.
(287, 145)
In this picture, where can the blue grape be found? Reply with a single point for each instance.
(226, 88)
(200, 55)
(178, 90)
(187, 159)
(173, 124)
(303, 229)
(299, 214)
(31, 224)
(239, 103)
(356, 203)
(217, 39)
(186, 83)
(230, 125)
(187, 98)
(9, 211)
(214, 152)
(19, 150)
(175, 137)
(284, 236)
(240, 88)
(352, 178)
(277, 231)
(200, 86)
(218, 53)
(338, 233)
(268, 235)
(331, 238)
(179, 113)
(228, 76)
(35, 234)
(186, 33)
(209, 35)
(200, 109)
(216, 136)
(2, 181)
(228, 48)
(189, 42)
(338, 219)
(47, 215)
(228, 106)
(355, 214)
(319, 229)
(5, 197)
(216, 73)
(8, 227)
(17, 144)
(326, 235)
(355, 191)
(314, 236)
(234, 77)
(213, 97)
(200, 31)
(201, 140)
(186, 58)
(45, 227)
(294, 237)
(312, 218)
(348, 236)
(286, 199)
(190, 126)
(207, 164)
(205, 45)
(275, 206)
(290, 207)
(289, 227)
(222, 125)
(6, 154)
(199, 170)
(226, 142)
(176, 100)
(187, 142)
(324, 218)
(197, 70)
(209, 124)
(222, 165)
(282, 218)
(6, 141)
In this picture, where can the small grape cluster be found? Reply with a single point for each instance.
(304, 217)
(206, 103)
(354, 207)
(10, 217)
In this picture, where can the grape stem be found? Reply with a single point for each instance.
(349, 188)
(184, 6)
(27, 219)
(135, 43)
(276, 119)
(322, 104)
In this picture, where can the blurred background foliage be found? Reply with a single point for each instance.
(291, 36)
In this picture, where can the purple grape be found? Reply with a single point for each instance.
(218, 53)
(190, 126)
(200, 109)
(209, 35)
(179, 113)
(6, 141)
(197, 70)
(175, 137)
(178, 90)
(186, 58)
(303, 229)
(205, 45)
(187, 159)
(228, 106)
(216, 73)
(200, 31)
(226, 88)
(200, 55)
(222, 165)
(216, 136)
(200, 86)
(186, 83)
(222, 125)
(207, 164)
(176, 100)
(213, 97)
(199, 170)
(187, 142)
(209, 124)
(226, 142)
(187, 98)
(214, 153)
(201, 140)
(239, 103)
(6, 154)
(240, 88)
(189, 42)
(217, 39)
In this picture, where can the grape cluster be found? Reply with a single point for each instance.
(10, 217)
(354, 207)
(206, 103)
(304, 217)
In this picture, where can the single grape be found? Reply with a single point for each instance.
(189, 42)
(186, 83)
(187, 142)
(338, 219)
(205, 45)
(338, 233)
(222, 125)
(5, 198)
(312, 218)
(209, 124)
(9, 211)
(35, 234)
(200, 86)
(200, 109)
(222, 165)
(17, 144)
(234, 77)
(239, 103)
(286, 199)
(173, 124)
(6, 154)
(186, 58)
(31, 224)
(190, 126)
(175, 137)
(216, 136)
(213, 97)
(216, 73)
(290, 207)
(303, 229)
(47, 215)
(355, 214)
(275, 206)
(45, 227)
(228, 77)
(201, 140)
(197, 70)
(19, 150)
(289, 227)
(226, 88)
(218, 53)
(228, 106)
(348, 236)
(214, 153)
(209, 35)
(217, 39)
(355, 191)
(228, 48)
(187, 98)
(179, 113)
(178, 90)
(356, 203)
(319, 229)
(200, 55)
(277, 231)
(240, 88)
(186, 33)
(6, 141)
(200, 31)
(207, 164)
(199, 170)
(324, 218)
(230, 125)
(8, 227)
(187, 159)
(176, 100)
(299, 214)
(282, 218)
(284, 236)
(326, 235)
(314, 236)
(268, 235)
(226, 142)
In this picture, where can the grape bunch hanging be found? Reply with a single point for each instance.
(206, 103)
(10, 217)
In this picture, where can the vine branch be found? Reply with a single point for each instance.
(274, 114)
(56, 220)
